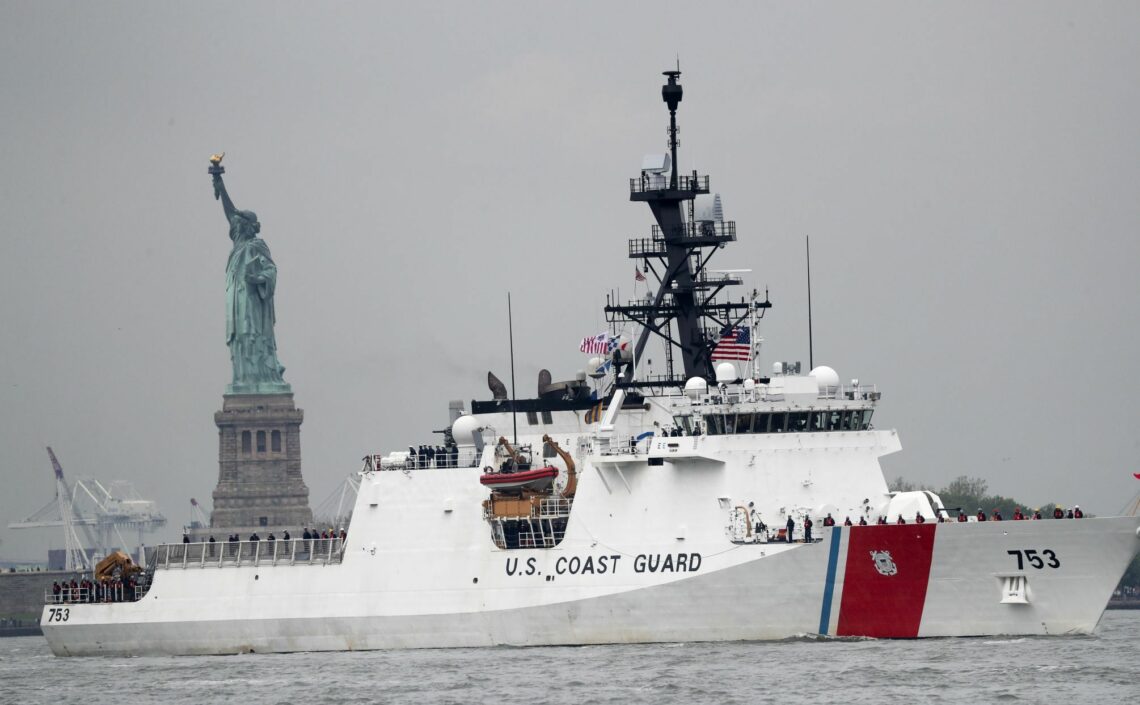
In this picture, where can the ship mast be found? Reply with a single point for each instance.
(684, 310)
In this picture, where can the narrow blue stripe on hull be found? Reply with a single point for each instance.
(829, 586)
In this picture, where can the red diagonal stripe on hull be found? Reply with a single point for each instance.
(881, 605)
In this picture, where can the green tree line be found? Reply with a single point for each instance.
(972, 493)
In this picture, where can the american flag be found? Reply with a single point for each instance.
(596, 345)
(736, 345)
(637, 275)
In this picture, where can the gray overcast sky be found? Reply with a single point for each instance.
(968, 173)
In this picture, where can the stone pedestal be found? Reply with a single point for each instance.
(259, 468)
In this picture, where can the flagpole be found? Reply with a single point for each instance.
(511, 333)
(752, 337)
(811, 358)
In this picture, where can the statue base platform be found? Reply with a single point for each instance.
(261, 388)
(260, 487)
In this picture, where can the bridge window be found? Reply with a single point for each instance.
(532, 418)
(547, 417)
(714, 424)
(778, 423)
(798, 421)
(744, 423)
(833, 420)
(685, 423)
(818, 420)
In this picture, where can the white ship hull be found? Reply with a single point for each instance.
(450, 587)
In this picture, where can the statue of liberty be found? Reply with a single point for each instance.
(251, 277)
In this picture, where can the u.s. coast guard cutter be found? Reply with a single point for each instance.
(670, 509)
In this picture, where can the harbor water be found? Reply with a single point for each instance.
(1103, 668)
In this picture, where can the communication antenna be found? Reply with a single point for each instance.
(807, 245)
(511, 334)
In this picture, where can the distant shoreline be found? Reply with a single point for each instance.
(21, 631)
(1123, 604)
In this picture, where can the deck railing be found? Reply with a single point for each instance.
(404, 460)
(108, 592)
(650, 181)
(237, 553)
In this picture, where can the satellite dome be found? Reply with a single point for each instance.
(725, 373)
(749, 384)
(695, 387)
(463, 430)
(594, 365)
(825, 377)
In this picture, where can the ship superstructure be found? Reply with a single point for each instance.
(674, 507)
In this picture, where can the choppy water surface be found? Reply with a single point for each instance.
(1104, 668)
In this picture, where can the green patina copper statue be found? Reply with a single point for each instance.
(251, 277)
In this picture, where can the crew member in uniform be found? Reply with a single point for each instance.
(791, 529)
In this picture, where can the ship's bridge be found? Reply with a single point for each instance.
(784, 404)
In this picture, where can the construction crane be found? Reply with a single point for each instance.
(336, 509)
(87, 507)
(198, 518)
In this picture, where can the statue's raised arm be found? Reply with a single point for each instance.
(251, 279)
(220, 193)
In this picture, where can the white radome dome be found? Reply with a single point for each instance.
(463, 430)
(695, 387)
(725, 373)
(825, 377)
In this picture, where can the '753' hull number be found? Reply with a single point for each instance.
(1038, 559)
(58, 614)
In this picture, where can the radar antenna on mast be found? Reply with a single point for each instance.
(685, 311)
